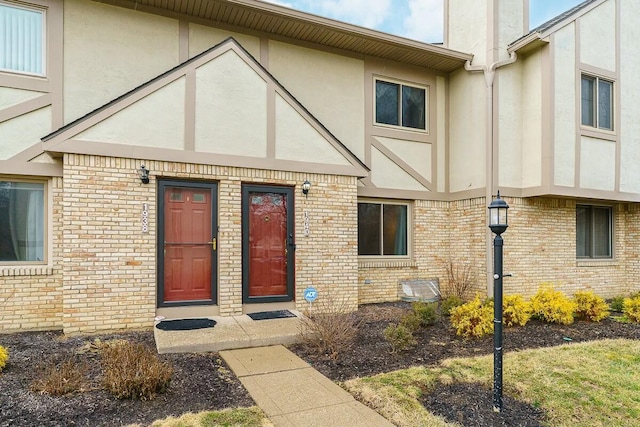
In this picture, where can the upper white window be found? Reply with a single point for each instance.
(21, 39)
(22, 213)
(401, 105)
(597, 102)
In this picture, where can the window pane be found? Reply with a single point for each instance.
(583, 221)
(21, 221)
(601, 232)
(605, 106)
(413, 107)
(588, 98)
(369, 229)
(395, 230)
(387, 102)
(21, 39)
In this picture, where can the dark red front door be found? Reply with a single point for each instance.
(267, 243)
(188, 242)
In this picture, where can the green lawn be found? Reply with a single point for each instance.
(587, 384)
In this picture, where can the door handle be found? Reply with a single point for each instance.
(213, 243)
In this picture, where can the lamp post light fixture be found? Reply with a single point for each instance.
(143, 174)
(498, 224)
(305, 188)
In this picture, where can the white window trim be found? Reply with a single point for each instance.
(14, 268)
(376, 259)
(376, 79)
(43, 11)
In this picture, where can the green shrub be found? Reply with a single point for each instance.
(473, 319)
(552, 306)
(4, 357)
(58, 379)
(590, 306)
(515, 310)
(400, 337)
(631, 308)
(134, 371)
(426, 311)
(411, 321)
(616, 304)
(450, 302)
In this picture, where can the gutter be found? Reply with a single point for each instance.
(492, 146)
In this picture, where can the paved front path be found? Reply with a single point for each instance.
(293, 394)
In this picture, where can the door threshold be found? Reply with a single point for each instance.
(188, 311)
(268, 306)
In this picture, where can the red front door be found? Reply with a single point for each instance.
(268, 244)
(189, 242)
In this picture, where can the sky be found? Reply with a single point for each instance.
(416, 19)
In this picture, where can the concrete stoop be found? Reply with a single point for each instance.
(230, 333)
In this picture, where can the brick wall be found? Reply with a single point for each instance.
(31, 296)
(110, 266)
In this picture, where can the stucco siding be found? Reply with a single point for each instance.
(10, 96)
(231, 108)
(564, 138)
(110, 50)
(331, 86)
(202, 38)
(510, 119)
(598, 36)
(23, 131)
(467, 28)
(597, 164)
(532, 111)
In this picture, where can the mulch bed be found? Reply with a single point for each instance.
(203, 382)
(200, 382)
(467, 404)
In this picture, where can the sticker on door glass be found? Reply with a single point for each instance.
(256, 200)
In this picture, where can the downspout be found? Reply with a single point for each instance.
(492, 148)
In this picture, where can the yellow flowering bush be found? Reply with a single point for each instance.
(515, 310)
(473, 319)
(552, 306)
(631, 308)
(591, 306)
(4, 357)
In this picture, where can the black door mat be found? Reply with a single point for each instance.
(185, 324)
(265, 315)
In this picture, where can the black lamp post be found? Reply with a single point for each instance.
(498, 224)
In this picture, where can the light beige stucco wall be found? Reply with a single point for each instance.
(532, 115)
(510, 105)
(467, 28)
(23, 131)
(110, 50)
(598, 36)
(330, 86)
(202, 38)
(10, 96)
(441, 142)
(467, 131)
(597, 164)
(630, 107)
(565, 114)
(231, 108)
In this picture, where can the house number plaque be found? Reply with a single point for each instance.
(306, 222)
(145, 217)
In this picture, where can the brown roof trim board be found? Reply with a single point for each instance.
(271, 19)
(538, 35)
(55, 142)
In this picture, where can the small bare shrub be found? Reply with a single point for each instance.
(332, 328)
(515, 310)
(449, 303)
(58, 379)
(4, 357)
(552, 306)
(473, 319)
(426, 311)
(134, 371)
(631, 308)
(591, 306)
(400, 337)
(462, 278)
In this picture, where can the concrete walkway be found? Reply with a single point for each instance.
(292, 394)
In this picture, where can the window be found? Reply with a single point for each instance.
(597, 102)
(382, 229)
(21, 221)
(400, 105)
(21, 39)
(593, 232)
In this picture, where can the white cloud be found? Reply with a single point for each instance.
(280, 3)
(425, 21)
(367, 13)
